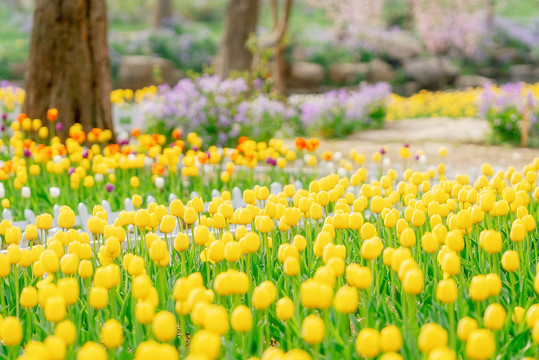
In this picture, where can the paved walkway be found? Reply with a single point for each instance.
(462, 137)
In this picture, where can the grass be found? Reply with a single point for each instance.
(13, 41)
(518, 9)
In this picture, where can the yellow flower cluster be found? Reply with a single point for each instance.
(125, 96)
(404, 266)
(11, 97)
(453, 104)
(434, 104)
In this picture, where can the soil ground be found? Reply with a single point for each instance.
(464, 139)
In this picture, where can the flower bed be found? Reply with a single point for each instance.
(505, 108)
(222, 111)
(371, 263)
(339, 113)
(452, 104)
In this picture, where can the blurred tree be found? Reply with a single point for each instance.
(456, 28)
(358, 21)
(280, 28)
(69, 65)
(410, 14)
(491, 12)
(240, 21)
(452, 27)
(163, 12)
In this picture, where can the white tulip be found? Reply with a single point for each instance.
(54, 192)
(341, 172)
(386, 162)
(98, 178)
(123, 135)
(26, 192)
(148, 162)
(337, 156)
(159, 182)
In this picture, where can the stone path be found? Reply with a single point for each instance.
(463, 138)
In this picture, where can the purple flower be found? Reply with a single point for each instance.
(271, 161)
(195, 148)
(85, 154)
(27, 153)
(382, 151)
(59, 126)
(4, 116)
(222, 138)
(110, 187)
(257, 83)
(71, 170)
(406, 145)
(3, 127)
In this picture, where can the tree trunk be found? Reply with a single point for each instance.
(410, 16)
(491, 10)
(69, 66)
(280, 30)
(240, 22)
(163, 11)
(279, 69)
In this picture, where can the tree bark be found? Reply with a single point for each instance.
(240, 22)
(410, 15)
(280, 30)
(163, 11)
(491, 10)
(69, 65)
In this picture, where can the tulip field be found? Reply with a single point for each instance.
(266, 250)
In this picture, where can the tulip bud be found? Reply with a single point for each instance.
(494, 316)
(346, 300)
(447, 292)
(11, 331)
(66, 331)
(285, 309)
(367, 342)
(510, 261)
(28, 297)
(55, 309)
(241, 319)
(263, 295)
(91, 350)
(112, 334)
(144, 312)
(312, 330)
(480, 344)
(390, 339)
(413, 281)
(431, 336)
(479, 289)
(206, 343)
(164, 326)
(99, 297)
